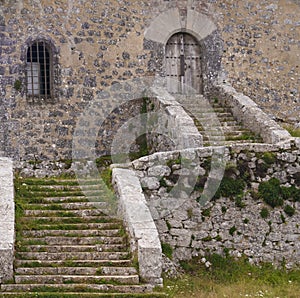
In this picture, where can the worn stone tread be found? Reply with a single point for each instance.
(57, 278)
(67, 213)
(70, 233)
(106, 270)
(78, 226)
(74, 248)
(79, 263)
(103, 219)
(44, 256)
(81, 287)
(58, 240)
(82, 294)
(68, 206)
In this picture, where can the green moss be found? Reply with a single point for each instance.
(206, 212)
(239, 202)
(264, 213)
(289, 210)
(269, 157)
(190, 213)
(270, 192)
(18, 85)
(168, 225)
(246, 220)
(167, 250)
(291, 193)
(294, 132)
(218, 238)
(232, 230)
(207, 238)
(230, 187)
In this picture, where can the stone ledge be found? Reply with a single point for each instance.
(247, 111)
(140, 224)
(7, 219)
(181, 126)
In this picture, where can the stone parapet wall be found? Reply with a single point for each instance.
(229, 223)
(247, 112)
(169, 126)
(138, 220)
(7, 219)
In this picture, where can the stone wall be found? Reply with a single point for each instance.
(7, 219)
(96, 44)
(236, 220)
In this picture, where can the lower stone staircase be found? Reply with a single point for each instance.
(66, 246)
(215, 122)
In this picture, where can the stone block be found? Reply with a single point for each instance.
(139, 221)
(7, 219)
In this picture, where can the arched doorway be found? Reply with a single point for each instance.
(183, 63)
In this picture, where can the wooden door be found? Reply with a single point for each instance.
(183, 64)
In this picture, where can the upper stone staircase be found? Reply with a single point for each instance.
(215, 122)
(66, 246)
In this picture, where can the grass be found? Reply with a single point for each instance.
(294, 132)
(230, 278)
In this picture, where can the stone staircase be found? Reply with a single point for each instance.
(66, 246)
(215, 122)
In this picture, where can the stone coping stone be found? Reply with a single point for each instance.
(139, 222)
(7, 218)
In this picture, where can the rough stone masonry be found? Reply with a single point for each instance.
(255, 47)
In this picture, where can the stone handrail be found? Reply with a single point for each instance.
(246, 111)
(138, 220)
(7, 219)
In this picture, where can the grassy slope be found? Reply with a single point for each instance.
(229, 278)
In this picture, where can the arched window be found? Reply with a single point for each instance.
(39, 70)
(183, 64)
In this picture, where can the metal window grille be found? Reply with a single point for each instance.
(39, 73)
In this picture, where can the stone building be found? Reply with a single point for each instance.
(57, 56)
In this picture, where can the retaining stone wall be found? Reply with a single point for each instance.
(226, 224)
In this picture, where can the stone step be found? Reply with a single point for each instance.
(73, 248)
(70, 263)
(63, 187)
(104, 220)
(62, 240)
(66, 206)
(70, 233)
(226, 133)
(83, 256)
(46, 200)
(125, 271)
(89, 294)
(68, 213)
(38, 220)
(71, 226)
(92, 279)
(226, 143)
(53, 193)
(78, 288)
